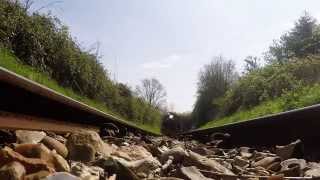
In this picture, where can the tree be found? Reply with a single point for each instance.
(214, 80)
(251, 64)
(42, 41)
(152, 91)
(300, 41)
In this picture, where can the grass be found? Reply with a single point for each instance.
(304, 96)
(10, 62)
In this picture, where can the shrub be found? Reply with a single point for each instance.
(41, 41)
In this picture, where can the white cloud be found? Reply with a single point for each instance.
(164, 63)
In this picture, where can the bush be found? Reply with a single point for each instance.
(214, 80)
(270, 82)
(42, 42)
(293, 68)
(301, 97)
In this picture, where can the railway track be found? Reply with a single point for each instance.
(38, 107)
(28, 105)
(25, 104)
(276, 129)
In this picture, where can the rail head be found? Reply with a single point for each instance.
(19, 81)
(263, 119)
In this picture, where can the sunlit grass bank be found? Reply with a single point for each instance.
(10, 62)
(302, 97)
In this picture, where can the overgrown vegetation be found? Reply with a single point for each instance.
(214, 80)
(305, 96)
(289, 79)
(40, 47)
(48, 54)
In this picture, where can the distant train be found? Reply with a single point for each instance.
(174, 123)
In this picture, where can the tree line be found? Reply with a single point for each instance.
(290, 63)
(43, 42)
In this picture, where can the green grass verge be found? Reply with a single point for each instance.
(304, 96)
(10, 62)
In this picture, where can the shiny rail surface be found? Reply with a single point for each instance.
(23, 96)
(20, 121)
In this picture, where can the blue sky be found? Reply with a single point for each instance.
(172, 39)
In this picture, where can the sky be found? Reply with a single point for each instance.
(171, 40)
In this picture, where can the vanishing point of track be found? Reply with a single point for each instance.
(25, 104)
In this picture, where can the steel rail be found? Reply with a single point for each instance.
(14, 121)
(21, 82)
(262, 119)
(268, 131)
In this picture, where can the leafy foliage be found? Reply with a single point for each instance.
(300, 41)
(41, 41)
(288, 80)
(304, 96)
(251, 64)
(214, 80)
